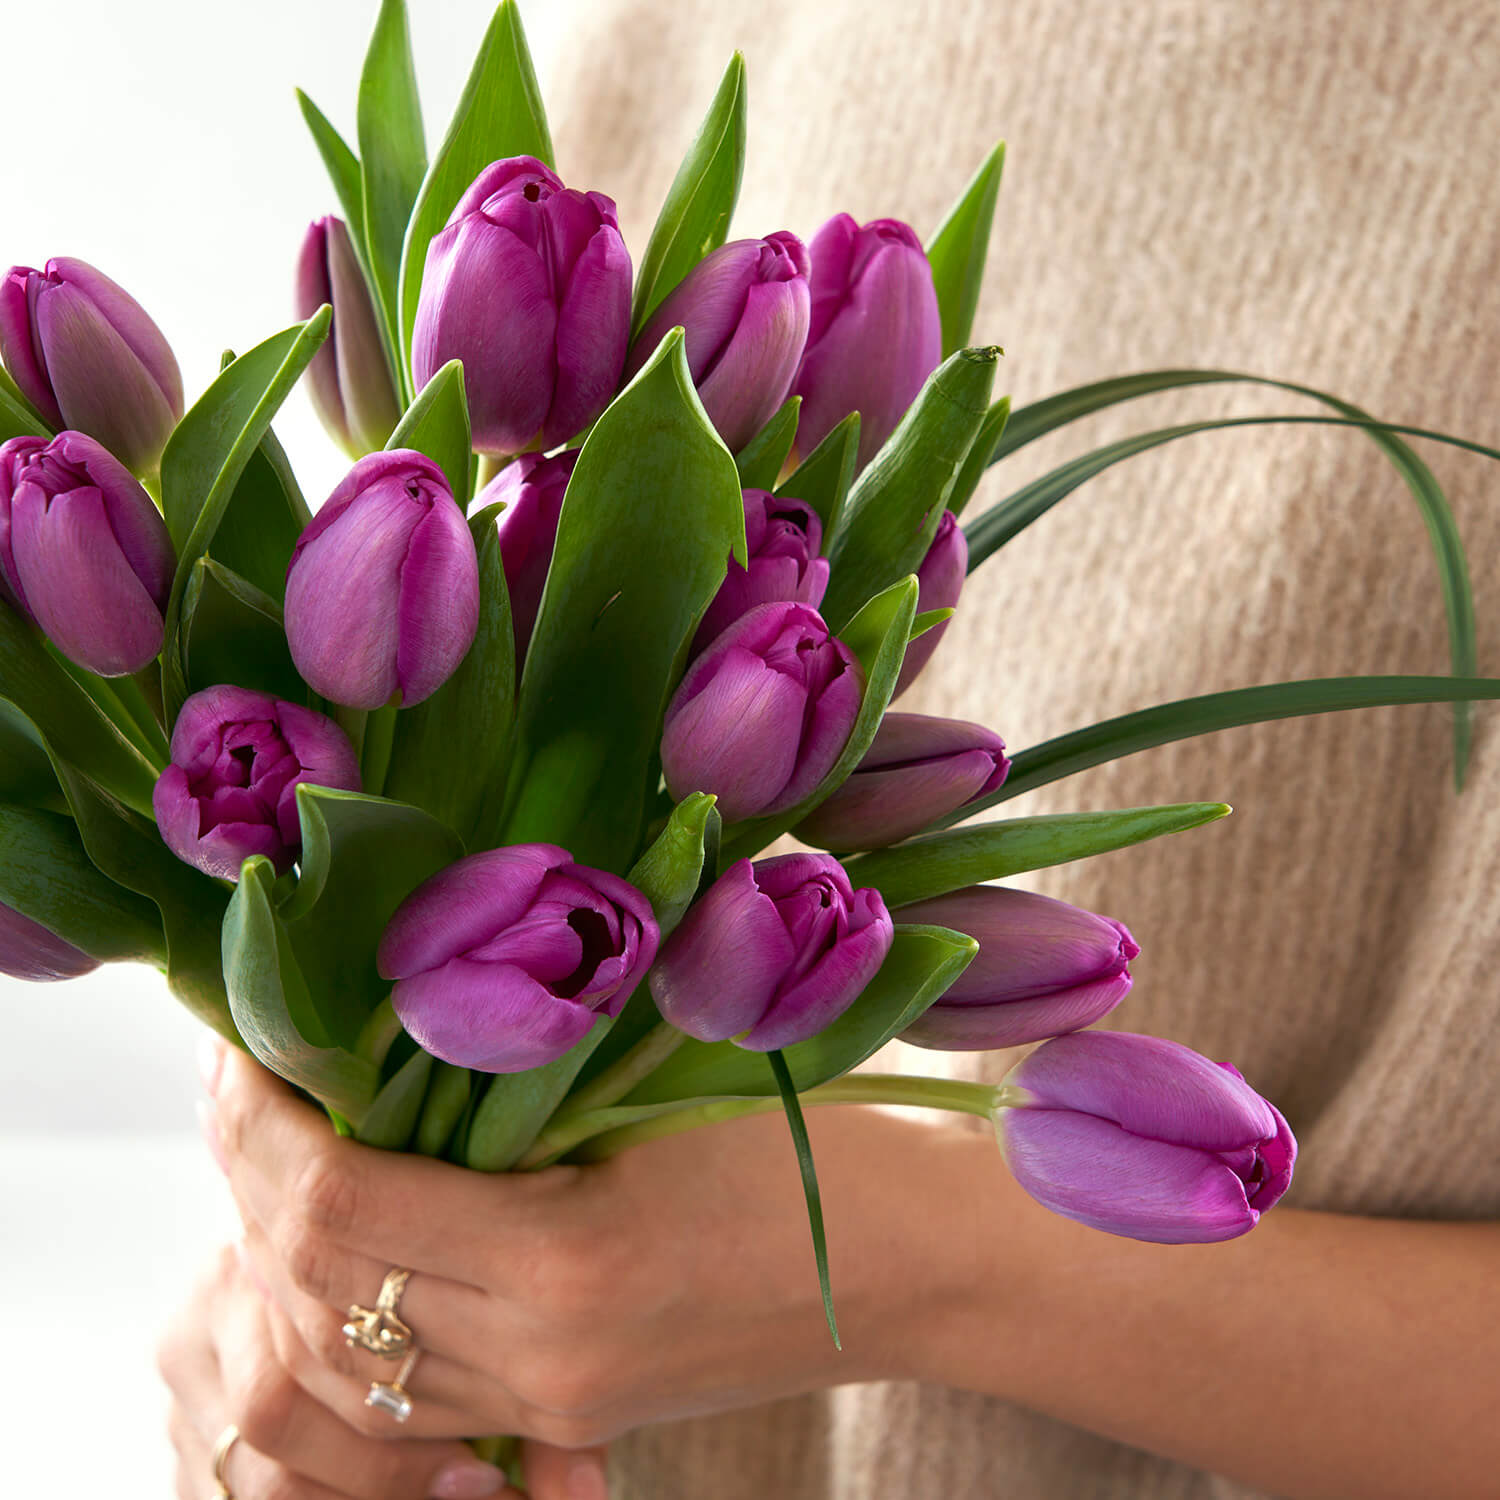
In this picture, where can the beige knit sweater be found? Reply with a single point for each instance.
(1297, 189)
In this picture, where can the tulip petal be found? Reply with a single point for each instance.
(34, 953)
(20, 350)
(707, 303)
(438, 613)
(828, 724)
(750, 377)
(1010, 1023)
(593, 334)
(365, 397)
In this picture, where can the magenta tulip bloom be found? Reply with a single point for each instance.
(875, 335)
(533, 489)
(529, 285)
(86, 354)
(784, 537)
(940, 580)
(32, 952)
(238, 758)
(84, 551)
(382, 592)
(1043, 968)
(763, 714)
(917, 770)
(772, 954)
(744, 311)
(348, 379)
(505, 960)
(1143, 1137)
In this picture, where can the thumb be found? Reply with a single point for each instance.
(565, 1473)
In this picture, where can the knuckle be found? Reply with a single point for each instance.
(325, 1193)
(306, 1257)
(565, 1387)
(277, 1483)
(367, 1421)
(323, 1334)
(265, 1404)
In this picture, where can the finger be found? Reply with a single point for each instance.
(565, 1474)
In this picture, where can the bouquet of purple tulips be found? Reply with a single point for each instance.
(452, 801)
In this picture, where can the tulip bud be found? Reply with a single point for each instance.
(529, 285)
(86, 354)
(744, 313)
(772, 954)
(84, 551)
(382, 592)
(875, 334)
(533, 489)
(784, 537)
(1043, 968)
(30, 951)
(231, 788)
(940, 580)
(349, 379)
(763, 714)
(1143, 1137)
(916, 770)
(505, 960)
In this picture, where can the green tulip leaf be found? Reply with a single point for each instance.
(391, 1120)
(500, 114)
(823, 479)
(263, 520)
(447, 1098)
(938, 863)
(761, 462)
(957, 251)
(18, 417)
(700, 203)
(437, 424)
(981, 453)
(232, 632)
(26, 775)
(343, 170)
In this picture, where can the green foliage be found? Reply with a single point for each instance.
(232, 632)
(823, 479)
(760, 463)
(981, 453)
(957, 251)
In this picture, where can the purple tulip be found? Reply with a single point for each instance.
(238, 758)
(1043, 968)
(1143, 1137)
(86, 354)
(529, 285)
(505, 960)
(876, 333)
(348, 379)
(84, 551)
(772, 954)
(382, 592)
(744, 312)
(32, 952)
(917, 769)
(763, 714)
(784, 537)
(940, 580)
(533, 489)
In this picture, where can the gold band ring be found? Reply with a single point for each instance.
(227, 1439)
(394, 1397)
(380, 1329)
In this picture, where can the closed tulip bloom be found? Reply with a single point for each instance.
(1043, 968)
(773, 953)
(382, 592)
(744, 311)
(532, 488)
(917, 769)
(32, 952)
(763, 714)
(348, 379)
(875, 335)
(86, 354)
(230, 791)
(529, 285)
(84, 551)
(505, 960)
(940, 580)
(784, 537)
(1143, 1137)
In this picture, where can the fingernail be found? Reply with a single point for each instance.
(209, 1127)
(468, 1479)
(210, 1062)
(586, 1480)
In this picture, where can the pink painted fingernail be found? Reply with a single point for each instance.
(586, 1480)
(210, 1061)
(209, 1127)
(468, 1479)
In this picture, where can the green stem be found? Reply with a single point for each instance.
(375, 753)
(489, 467)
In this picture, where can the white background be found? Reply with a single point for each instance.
(161, 141)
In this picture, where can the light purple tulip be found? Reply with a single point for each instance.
(35, 953)
(744, 311)
(1043, 968)
(348, 379)
(84, 551)
(784, 537)
(763, 714)
(382, 592)
(533, 489)
(529, 285)
(505, 960)
(940, 580)
(1143, 1137)
(875, 335)
(86, 354)
(917, 770)
(773, 953)
(230, 791)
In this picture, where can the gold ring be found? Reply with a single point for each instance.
(227, 1439)
(394, 1397)
(380, 1329)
